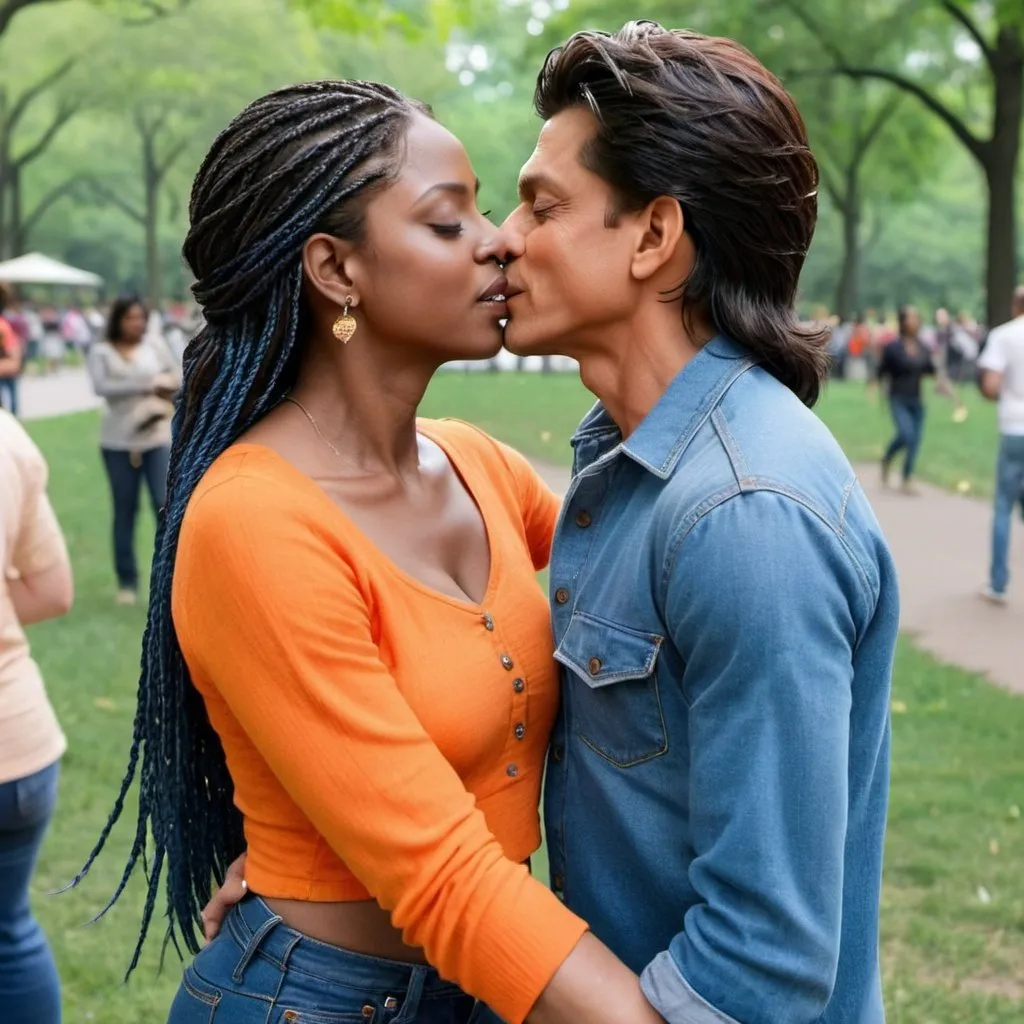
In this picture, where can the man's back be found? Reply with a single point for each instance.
(725, 610)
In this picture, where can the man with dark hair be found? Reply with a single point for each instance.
(724, 605)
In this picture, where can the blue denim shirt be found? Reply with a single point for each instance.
(725, 611)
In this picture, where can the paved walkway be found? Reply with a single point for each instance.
(941, 545)
(940, 541)
(67, 391)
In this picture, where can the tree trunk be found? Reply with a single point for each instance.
(16, 231)
(151, 222)
(1003, 156)
(848, 286)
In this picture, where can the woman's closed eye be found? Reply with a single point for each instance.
(454, 229)
(448, 230)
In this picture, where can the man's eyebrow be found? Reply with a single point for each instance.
(459, 188)
(532, 182)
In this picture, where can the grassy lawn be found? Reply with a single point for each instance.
(538, 413)
(954, 897)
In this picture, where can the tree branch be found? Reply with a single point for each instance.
(830, 185)
(957, 13)
(51, 197)
(33, 91)
(885, 113)
(12, 7)
(978, 147)
(163, 166)
(813, 26)
(109, 195)
(64, 114)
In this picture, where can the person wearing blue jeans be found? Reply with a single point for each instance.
(904, 363)
(29, 985)
(908, 415)
(135, 375)
(35, 585)
(1002, 380)
(126, 471)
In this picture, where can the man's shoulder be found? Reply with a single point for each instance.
(761, 437)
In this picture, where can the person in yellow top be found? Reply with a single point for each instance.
(348, 665)
(36, 586)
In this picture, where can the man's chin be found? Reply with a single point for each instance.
(522, 342)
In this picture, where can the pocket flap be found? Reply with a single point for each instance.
(602, 652)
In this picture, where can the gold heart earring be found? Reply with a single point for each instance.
(345, 325)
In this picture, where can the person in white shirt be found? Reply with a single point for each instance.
(1002, 379)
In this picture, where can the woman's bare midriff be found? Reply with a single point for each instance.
(362, 927)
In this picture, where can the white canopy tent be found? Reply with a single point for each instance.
(35, 268)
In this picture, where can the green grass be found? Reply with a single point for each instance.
(948, 958)
(538, 413)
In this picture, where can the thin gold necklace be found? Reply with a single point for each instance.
(309, 416)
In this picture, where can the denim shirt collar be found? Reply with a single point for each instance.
(659, 441)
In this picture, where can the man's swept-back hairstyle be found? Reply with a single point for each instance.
(700, 119)
(296, 162)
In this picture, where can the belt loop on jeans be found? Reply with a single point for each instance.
(413, 994)
(253, 945)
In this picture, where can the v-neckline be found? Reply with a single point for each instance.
(464, 603)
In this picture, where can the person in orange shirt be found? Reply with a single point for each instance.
(347, 667)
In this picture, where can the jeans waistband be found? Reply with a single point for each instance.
(257, 929)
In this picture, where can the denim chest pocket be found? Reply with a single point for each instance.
(616, 704)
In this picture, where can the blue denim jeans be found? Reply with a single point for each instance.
(9, 394)
(29, 986)
(1009, 493)
(126, 471)
(259, 971)
(908, 415)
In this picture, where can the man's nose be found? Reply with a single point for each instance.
(506, 244)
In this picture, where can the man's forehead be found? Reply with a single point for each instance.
(558, 146)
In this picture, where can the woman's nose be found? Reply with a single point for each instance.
(505, 245)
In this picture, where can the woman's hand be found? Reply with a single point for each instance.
(233, 889)
(165, 385)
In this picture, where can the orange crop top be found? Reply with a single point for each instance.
(385, 740)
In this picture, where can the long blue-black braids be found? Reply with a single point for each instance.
(298, 161)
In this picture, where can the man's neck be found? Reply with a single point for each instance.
(632, 370)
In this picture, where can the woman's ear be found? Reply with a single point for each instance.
(324, 259)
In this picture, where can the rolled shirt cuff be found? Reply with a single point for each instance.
(674, 998)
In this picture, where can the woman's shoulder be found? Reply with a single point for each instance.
(247, 477)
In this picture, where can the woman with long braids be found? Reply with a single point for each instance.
(347, 664)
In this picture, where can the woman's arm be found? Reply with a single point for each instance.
(44, 595)
(38, 575)
(595, 986)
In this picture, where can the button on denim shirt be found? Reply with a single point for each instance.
(725, 612)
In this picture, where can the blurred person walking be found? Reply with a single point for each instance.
(37, 586)
(904, 363)
(1002, 380)
(137, 376)
(12, 361)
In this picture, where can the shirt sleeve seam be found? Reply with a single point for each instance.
(686, 527)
